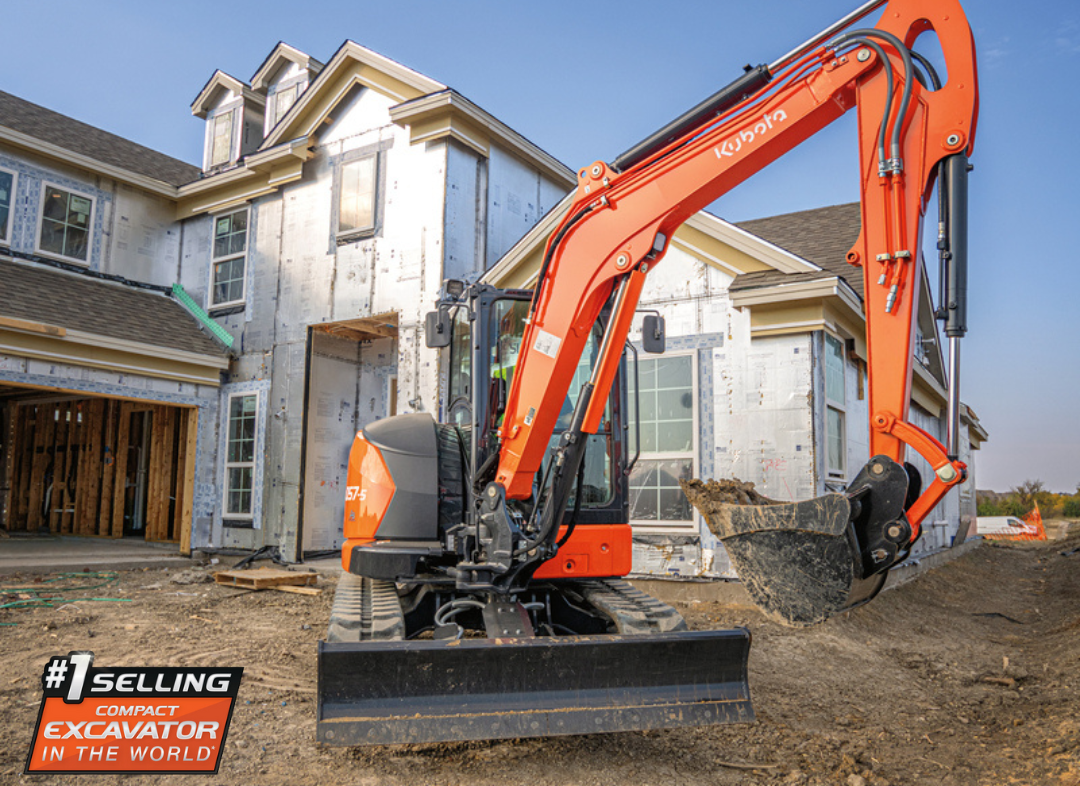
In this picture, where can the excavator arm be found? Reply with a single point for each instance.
(913, 131)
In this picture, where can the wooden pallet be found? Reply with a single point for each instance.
(265, 578)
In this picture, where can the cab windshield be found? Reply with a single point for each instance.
(507, 329)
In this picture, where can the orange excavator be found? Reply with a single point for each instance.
(482, 593)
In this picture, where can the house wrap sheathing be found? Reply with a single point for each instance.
(765, 358)
(331, 202)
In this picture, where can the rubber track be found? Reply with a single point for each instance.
(633, 611)
(365, 610)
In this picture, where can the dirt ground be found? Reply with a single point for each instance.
(967, 675)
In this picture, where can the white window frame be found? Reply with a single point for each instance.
(255, 464)
(215, 261)
(5, 242)
(358, 233)
(270, 121)
(45, 186)
(668, 526)
(236, 109)
(837, 406)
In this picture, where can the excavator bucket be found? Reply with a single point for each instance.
(440, 690)
(800, 561)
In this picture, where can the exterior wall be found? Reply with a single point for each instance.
(439, 218)
(134, 234)
(518, 197)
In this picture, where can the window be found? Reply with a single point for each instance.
(228, 258)
(357, 197)
(240, 453)
(666, 397)
(835, 402)
(7, 199)
(282, 101)
(66, 219)
(221, 139)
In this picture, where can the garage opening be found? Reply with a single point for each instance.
(98, 467)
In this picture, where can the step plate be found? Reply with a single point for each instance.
(383, 693)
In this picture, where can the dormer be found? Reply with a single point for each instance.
(282, 78)
(234, 115)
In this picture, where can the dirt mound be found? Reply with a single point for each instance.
(705, 495)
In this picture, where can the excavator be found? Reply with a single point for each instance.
(482, 593)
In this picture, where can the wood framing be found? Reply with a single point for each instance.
(73, 468)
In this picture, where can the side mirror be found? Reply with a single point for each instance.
(437, 329)
(652, 334)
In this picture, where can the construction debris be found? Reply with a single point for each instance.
(265, 578)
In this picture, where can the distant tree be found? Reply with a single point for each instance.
(1028, 493)
(1014, 507)
(1071, 508)
(989, 508)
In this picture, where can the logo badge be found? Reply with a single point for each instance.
(131, 719)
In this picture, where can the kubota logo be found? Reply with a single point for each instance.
(733, 145)
(355, 492)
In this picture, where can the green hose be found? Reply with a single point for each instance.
(40, 600)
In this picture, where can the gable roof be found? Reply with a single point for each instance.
(822, 236)
(280, 54)
(218, 83)
(40, 124)
(351, 64)
(100, 308)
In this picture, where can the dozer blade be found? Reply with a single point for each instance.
(799, 561)
(379, 693)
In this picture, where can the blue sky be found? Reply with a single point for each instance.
(585, 80)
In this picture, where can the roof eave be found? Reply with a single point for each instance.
(143, 182)
(449, 102)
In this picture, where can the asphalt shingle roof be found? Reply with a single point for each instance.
(70, 134)
(75, 302)
(822, 236)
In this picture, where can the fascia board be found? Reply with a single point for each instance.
(452, 102)
(225, 81)
(126, 357)
(139, 348)
(750, 244)
(295, 148)
(66, 156)
(267, 171)
(797, 290)
(975, 426)
(283, 51)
